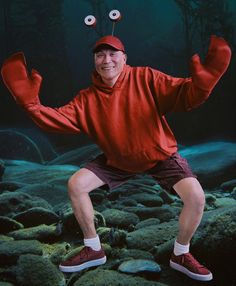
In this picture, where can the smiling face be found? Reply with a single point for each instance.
(109, 64)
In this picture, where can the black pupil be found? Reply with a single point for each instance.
(89, 19)
(114, 14)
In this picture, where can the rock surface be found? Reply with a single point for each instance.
(36, 270)
(147, 237)
(136, 266)
(7, 224)
(214, 160)
(136, 221)
(101, 277)
(10, 251)
(11, 203)
(119, 218)
(36, 216)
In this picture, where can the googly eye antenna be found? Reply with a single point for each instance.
(114, 16)
(90, 21)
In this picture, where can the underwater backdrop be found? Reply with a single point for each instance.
(137, 221)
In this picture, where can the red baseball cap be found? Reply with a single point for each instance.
(111, 41)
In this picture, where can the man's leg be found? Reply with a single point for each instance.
(192, 195)
(79, 186)
(174, 172)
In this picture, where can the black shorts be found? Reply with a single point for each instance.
(167, 173)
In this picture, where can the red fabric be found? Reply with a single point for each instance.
(109, 41)
(23, 86)
(206, 75)
(127, 120)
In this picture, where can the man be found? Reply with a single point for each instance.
(123, 111)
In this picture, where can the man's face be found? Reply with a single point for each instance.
(109, 64)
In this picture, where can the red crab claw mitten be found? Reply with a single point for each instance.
(23, 86)
(206, 75)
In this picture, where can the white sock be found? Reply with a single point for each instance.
(94, 243)
(180, 248)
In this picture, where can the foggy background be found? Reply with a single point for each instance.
(163, 34)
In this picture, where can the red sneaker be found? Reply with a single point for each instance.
(86, 258)
(188, 265)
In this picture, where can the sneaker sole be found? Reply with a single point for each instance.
(83, 266)
(190, 274)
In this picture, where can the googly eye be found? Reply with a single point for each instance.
(115, 15)
(90, 21)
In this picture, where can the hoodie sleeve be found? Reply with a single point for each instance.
(183, 94)
(174, 94)
(65, 119)
(25, 86)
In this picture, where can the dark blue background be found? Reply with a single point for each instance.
(56, 42)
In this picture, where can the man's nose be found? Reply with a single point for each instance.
(106, 59)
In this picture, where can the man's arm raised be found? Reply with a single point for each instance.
(25, 88)
(206, 75)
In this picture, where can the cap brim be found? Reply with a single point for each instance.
(105, 46)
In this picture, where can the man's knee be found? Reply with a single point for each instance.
(83, 181)
(191, 193)
(198, 199)
(76, 184)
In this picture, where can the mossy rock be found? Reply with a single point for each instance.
(70, 224)
(12, 203)
(10, 186)
(11, 250)
(112, 236)
(44, 233)
(164, 213)
(36, 216)
(166, 197)
(3, 283)
(148, 237)
(148, 200)
(124, 254)
(215, 244)
(7, 224)
(4, 238)
(35, 270)
(147, 222)
(54, 194)
(102, 277)
(117, 218)
(56, 251)
(162, 252)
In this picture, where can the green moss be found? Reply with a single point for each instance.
(34, 270)
(101, 277)
(11, 250)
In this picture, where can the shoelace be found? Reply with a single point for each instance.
(192, 261)
(84, 253)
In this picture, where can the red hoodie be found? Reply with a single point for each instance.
(127, 120)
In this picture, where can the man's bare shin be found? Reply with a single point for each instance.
(192, 195)
(79, 186)
(84, 213)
